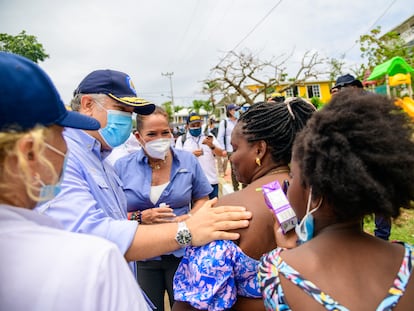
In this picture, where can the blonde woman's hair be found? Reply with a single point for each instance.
(9, 142)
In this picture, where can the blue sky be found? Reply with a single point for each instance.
(188, 37)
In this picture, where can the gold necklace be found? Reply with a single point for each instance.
(277, 171)
(273, 172)
(157, 165)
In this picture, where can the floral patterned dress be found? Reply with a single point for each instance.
(272, 264)
(211, 277)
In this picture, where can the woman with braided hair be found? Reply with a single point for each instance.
(354, 158)
(223, 275)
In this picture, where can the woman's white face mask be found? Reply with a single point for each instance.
(158, 148)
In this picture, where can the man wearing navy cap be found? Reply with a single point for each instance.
(204, 146)
(92, 199)
(346, 81)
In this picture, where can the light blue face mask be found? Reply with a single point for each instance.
(236, 114)
(117, 129)
(305, 229)
(48, 192)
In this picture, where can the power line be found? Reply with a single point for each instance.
(373, 24)
(251, 31)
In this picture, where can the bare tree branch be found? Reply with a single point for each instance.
(238, 70)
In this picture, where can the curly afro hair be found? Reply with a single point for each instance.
(358, 153)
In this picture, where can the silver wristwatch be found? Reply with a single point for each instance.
(183, 236)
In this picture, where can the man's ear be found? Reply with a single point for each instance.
(86, 105)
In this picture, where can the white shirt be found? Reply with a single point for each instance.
(131, 145)
(43, 268)
(207, 160)
(225, 131)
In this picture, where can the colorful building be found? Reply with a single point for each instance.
(307, 89)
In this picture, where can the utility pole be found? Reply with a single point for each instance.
(169, 75)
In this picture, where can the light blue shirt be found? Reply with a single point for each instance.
(91, 200)
(187, 182)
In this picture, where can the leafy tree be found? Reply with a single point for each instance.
(23, 44)
(336, 67)
(201, 104)
(169, 109)
(212, 88)
(377, 49)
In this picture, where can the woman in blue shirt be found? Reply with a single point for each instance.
(161, 185)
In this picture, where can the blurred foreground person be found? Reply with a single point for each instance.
(354, 158)
(41, 267)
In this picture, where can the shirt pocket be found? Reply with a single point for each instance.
(107, 197)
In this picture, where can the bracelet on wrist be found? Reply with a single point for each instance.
(137, 216)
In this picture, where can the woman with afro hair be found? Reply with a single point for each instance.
(354, 158)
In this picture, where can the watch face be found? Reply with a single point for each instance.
(183, 236)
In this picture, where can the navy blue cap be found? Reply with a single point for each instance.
(118, 86)
(232, 106)
(347, 80)
(194, 118)
(28, 98)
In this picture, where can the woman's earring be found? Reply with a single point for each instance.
(258, 162)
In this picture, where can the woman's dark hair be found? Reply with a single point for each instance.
(358, 153)
(276, 124)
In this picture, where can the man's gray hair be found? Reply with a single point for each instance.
(75, 103)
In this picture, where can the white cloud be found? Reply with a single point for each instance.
(187, 37)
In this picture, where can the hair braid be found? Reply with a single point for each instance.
(274, 124)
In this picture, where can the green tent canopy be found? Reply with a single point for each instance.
(391, 67)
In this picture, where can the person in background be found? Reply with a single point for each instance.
(131, 145)
(204, 147)
(348, 82)
(161, 184)
(276, 97)
(43, 267)
(244, 107)
(223, 275)
(92, 200)
(212, 126)
(221, 161)
(224, 137)
(354, 158)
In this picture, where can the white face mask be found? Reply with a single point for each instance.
(158, 148)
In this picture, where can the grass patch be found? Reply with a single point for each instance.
(402, 229)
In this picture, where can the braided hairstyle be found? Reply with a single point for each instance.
(276, 124)
(358, 153)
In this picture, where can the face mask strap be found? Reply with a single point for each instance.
(308, 205)
(55, 149)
